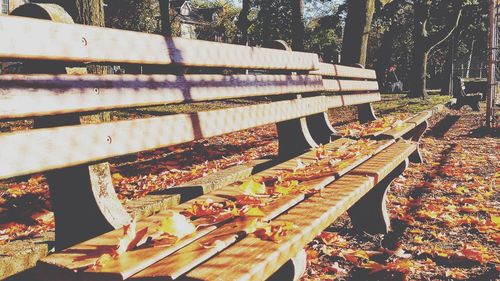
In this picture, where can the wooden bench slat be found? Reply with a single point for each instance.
(46, 149)
(420, 118)
(327, 69)
(383, 163)
(397, 132)
(38, 95)
(255, 259)
(25, 38)
(334, 85)
(354, 99)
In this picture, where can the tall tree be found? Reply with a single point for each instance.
(166, 28)
(389, 20)
(298, 28)
(88, 12)
(424, 41)
(243, 22)
(356, 32)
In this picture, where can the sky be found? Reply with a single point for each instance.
(310, 9)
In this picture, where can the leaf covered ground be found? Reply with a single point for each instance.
(445, 212)
(445, 215)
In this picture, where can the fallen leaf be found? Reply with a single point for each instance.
(177, 225)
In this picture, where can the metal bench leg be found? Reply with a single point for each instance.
(416, 157)
(320, 128)
(366, 113)
(294, 138)
(475, 105)
(292, 269)
(370, 214)
(84, 201)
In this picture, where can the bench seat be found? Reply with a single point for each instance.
(255, 259)
(407, 126)
(175, 264)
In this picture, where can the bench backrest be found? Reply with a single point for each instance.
(26, 96)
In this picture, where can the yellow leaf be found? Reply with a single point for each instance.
(418, 240)
(251, 187)
(461, 190)
(103, 260)
(281, 189)
(495, 219)
(427, 214)
(416, 231)
(177, 225)
(456, 273)
(117, 176)
(254, 212)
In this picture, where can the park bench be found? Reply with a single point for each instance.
(464, 97)
(72, 153)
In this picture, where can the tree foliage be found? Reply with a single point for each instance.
(391, 33)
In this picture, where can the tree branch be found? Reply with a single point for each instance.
(439, 37)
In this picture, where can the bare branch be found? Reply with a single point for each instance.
(439, 37)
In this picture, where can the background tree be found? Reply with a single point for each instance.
(223, 27)
(243, 21)
(166, 28)
(134, 15)
(357, 27)
(468, 42)
(298, 25)
(425, 41)
(388, 25)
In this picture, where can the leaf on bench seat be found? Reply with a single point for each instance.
(177, 225)
(252, 187)
(273, 231)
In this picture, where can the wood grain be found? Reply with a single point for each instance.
(420, 118)
(24, 38)
(334, 85)
(398, 131)
(38, 95)
(354, 99)
(386, 161)
(327, 69)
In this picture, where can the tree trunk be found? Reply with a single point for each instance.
(385, 53)
(298, 29)
(424, 43)
(447, 74)
(243, 22)
(88, 12)
(419, 58)
(166, 28)
(469, 60)
(356, 32)
(265, 15)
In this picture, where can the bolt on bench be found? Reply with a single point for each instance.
(353, 176)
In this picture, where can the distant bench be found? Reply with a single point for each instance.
(71, 154)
